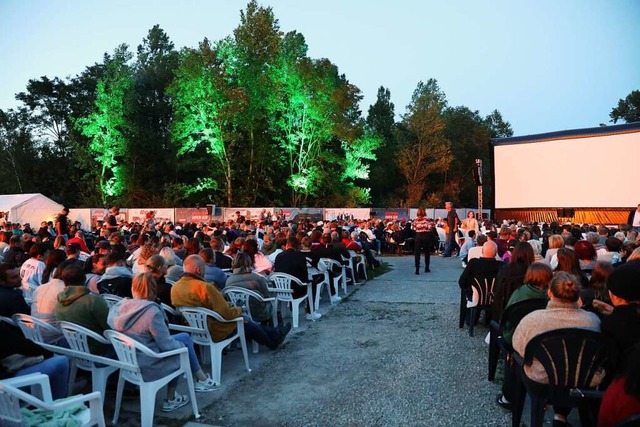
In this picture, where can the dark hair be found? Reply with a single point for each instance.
(523, 253)
(293, 242)
(250, 246)
(37, 249)
(207, 255)
(613, 244)
(4, 267)
(73, 276)
(472, 233)
(54, 259)
(598, 281)
(115, 257)
(568, 261)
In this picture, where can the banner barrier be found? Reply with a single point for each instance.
(346, 214)
(390, 214)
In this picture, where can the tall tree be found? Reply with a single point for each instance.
(151, 119)
(108, 125)
(628, 109)
(385, 179)
(427, 151)
(498, 128)
(205, 106)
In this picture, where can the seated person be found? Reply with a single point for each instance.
(562, 312)
(76, 304)
(244, 277)
(261, 264)
(143, 320)
(11, 296)
(487, 264)
(622, 398)
(116, 279)
(469, 243)
(193, 291)
(30, 358)
(213, 274)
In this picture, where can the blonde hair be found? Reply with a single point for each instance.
(555, 241)
(635, 255)
(144, 286)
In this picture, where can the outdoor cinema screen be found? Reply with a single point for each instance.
(597, 171)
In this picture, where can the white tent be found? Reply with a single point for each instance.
(29, 208)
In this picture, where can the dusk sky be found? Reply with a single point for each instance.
(545, 65)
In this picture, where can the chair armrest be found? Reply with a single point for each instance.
(183, 328)
(164, 354)
(280, 291)
(86, 356)
(236, 320)
(26, 380)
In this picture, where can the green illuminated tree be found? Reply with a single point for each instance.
(357, 168)
(426, 150)
(205, 103)
(107, 125)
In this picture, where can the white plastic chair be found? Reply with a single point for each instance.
(284, 293)
(197, 318)
(126, 349)
(8, 320)
(358, 261)
(11, 396)
(240, 297)
(100, 367)
(111, 299)
(323, 268)
(32, 327)
(329, 265)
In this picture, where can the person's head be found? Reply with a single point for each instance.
(73, 275)
(421, 213)
(635, 255)
(103, 247)
(505, 233)
(585, 250)
(536, 246)
(156, 266)
(470, 214)
(624, 285)
(242, 263)
(472, 234)
(38, 251)
(292, 243)
(613, 244)
(195, 265)
(250, 247)
(489, 250)
(564, 287)
(146, 252)
(567, 261)
(448, 206)
(556, 241)
(144, 286)
(55, 257)
(116, 259)
(599, 275)
(522, 253)
(9, 276)
(539, 275)
(208, 256)
(481, 240)
(14, 241)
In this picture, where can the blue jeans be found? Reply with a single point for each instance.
(261, 334)
(450, 243)
(185, 339)
(57, 369)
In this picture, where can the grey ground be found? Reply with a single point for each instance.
(391, 354)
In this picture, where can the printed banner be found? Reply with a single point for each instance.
(250, 214)
(152, 215)
(195, 215)
(302, 214)
(346, 214)
(99, 216)
(390, 214)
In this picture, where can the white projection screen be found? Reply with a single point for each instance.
(596, 171)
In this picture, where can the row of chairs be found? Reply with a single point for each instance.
(101, 367)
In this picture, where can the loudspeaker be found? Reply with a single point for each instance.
(560, 213)
(477, 172)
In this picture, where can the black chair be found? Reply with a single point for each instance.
(632, 421)
(511, 316)
(483, 284)
(570, 357)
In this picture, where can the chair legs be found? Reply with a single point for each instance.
(494, 353)
(471, 312)
(537, 411)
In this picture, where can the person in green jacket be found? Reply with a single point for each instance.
(76, 304)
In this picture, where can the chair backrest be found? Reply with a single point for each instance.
(111, 299)
(570, 356)
(514, 313)
(328, 264)
(484, 283)
(283, 282)
(196, 317)
(240, 297)
(78, 338)
(33, 327)
(10, 414)
(125, 348)
(7, 320)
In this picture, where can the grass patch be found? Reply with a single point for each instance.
(384, 268)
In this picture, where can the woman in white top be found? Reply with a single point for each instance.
(470, 223)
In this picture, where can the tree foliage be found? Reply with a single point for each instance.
(250, 119)
(628, 109)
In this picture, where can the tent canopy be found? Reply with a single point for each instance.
(29, 208)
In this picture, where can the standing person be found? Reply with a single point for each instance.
(470, 223)
(451, 228)
(634, 219)
(424, 240)
(62, 224)
(112, 220)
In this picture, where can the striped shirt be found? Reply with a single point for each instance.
(421, 224)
